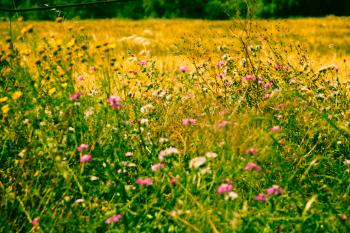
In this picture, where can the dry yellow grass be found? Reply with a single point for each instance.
(175, 42)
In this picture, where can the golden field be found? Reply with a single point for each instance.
(324, 41)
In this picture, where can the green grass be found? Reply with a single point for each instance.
(42, 176)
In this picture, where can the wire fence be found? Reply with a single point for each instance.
(59, 7)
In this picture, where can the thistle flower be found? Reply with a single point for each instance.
(223, 123)
(83, 147)
(225, 188)
(173, 180)
(183, 68)
(157, 166)
(144, 181)
(275, 190)
(260, 197)
(75, 96)
(189, 121)
(251, 151)
(249, 77)
(252, 166)
(220, 63)
(113, 219)
(275, 128)
(114, 102)
(142, 63)
(35, 221)
(85, 158)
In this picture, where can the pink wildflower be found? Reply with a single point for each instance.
(35, 221)
(220, 75)
(275, 128)
(83, 147)
(252, 166)
(220, 63)
(260, 197)
(249, 77)
(183, 68)
(223, 123)
(145, 181)
(114, 102)
(189, 121)
(225, 188)
(266, 96)
(142, 63)
(274, 190)
(251, 151)
(85, 158)
(75, 96)
(264, 38)
(173, 180)
(343, 217)
(114, 218)
(278, 67)
(80, 78)
(157, 166)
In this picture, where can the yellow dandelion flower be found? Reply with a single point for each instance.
(64, 85)
(17, 95)
(3, 99)
(5, 109)
(52, 91)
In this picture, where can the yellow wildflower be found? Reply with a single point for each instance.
(16, 95)
(52, 91)
(5, 109)
(3, 99)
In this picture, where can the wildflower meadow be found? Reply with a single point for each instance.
(175, 125)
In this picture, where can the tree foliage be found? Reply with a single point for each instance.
(208, 9)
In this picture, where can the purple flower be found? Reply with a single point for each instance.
(173, 180)
(144, 181)
(83, 147)
(252, 166)
(223, 123)
(114, 102)
(80, 78)
(157, 166)
(225, 188)
(142, 63)
(220, 63)
(220, 75)
(275, 128)
(189, 121)
(274, 190)
(251, 151)
(260, 197)
(278, 67)
(75, 96)
(35, 221)
(113, 219)
(85, 158)
(183, 68)
(249, 77)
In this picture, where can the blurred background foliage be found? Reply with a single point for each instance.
(203, 9)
